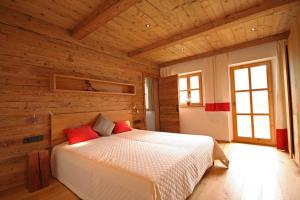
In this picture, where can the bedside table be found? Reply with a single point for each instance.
(138, 124)
(37, 170)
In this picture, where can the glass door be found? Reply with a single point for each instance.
(252, 103)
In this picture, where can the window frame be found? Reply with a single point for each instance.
(200, 89)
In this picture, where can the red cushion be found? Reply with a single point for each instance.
(80, 134)
(121, 126)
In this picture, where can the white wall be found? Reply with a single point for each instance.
(216, 88)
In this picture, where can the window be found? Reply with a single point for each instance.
(190, 89)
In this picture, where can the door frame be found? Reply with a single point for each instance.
(253, 140)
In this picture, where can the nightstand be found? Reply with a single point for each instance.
(138, 124)
(37, 170)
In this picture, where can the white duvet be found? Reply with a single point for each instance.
(136, 165)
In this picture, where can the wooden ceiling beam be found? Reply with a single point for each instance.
(194, 32)
(104, 13)
(256, 42)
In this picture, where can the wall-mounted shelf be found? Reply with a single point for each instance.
(63, 83)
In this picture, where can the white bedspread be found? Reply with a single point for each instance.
(136, 165)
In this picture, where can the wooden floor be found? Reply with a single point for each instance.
(256, 172)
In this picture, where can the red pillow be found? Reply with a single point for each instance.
(121, 126)
(80, 134)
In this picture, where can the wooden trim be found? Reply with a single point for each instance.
(271, 101)
(200, 89)
(191, 106)
(194, 32)
(260, 89)
(223, 141)
(251, 102)
(254, 143)
(256, 42)
(104, 13)
(253, 140)
(156, 104)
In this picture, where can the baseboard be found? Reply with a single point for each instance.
(223, 141)
(268, 145)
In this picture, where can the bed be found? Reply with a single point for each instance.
(133, 165)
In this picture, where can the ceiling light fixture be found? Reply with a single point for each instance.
(253, 29)
(148, 25)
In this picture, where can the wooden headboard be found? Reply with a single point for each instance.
(59, 122)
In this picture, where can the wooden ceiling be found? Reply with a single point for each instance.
(179, 29)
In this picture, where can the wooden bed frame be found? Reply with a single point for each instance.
(59, 122)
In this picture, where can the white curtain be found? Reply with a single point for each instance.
(281, 92)
(280, 115)
(150, 93)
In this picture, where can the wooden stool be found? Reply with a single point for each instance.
(37, 170)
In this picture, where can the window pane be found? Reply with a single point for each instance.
(259, 77)
(242, 102)
(183, 84)
(241, 79)
(195, 97)
(194, 81)
(244, 126)
(183, 96)
(262, 127)
(260, 101)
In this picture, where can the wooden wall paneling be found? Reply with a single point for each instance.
(31, 52)
(156, 103)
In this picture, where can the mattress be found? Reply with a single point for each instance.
(135, 165)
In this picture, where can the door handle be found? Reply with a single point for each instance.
(177, 108)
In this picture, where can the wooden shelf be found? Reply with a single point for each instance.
(63, 83)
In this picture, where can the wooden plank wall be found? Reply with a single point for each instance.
(30, 52)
